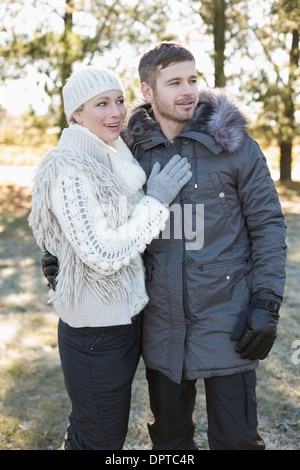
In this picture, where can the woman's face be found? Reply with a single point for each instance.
(103, 115)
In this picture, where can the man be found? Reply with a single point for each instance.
(216, 275)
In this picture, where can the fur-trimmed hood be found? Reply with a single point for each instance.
(217, 115)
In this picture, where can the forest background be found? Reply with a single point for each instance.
(251, 49)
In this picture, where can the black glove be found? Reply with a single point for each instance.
(50, 268)
(257, 326)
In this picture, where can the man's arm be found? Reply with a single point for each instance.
(257, 328)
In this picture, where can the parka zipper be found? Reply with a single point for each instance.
(186, 309)
(194, 167)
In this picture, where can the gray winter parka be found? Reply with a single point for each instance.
(225, 240)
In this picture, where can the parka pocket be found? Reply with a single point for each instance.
(221, 194)
(222, 283)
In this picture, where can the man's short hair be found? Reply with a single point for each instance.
(160, 57)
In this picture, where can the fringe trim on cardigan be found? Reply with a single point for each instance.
(73, 273)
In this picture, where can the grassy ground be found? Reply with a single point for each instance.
(33, 402)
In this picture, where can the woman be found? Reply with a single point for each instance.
(89, 210)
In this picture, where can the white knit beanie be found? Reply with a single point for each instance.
(85, 84)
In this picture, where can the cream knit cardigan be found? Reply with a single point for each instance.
(89, 209)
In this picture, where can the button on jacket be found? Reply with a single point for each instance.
(224, 241)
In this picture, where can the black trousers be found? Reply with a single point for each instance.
(231, 412)
(98, 366)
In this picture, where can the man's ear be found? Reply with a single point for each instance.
(147, 92)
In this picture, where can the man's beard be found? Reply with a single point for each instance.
(172, 113)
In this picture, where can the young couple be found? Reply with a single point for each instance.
(103, 205)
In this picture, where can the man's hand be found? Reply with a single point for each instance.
(50, 268)
(257, 327)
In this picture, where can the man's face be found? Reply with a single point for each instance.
(176, 94)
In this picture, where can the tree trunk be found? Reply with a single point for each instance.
(219, 26)
(286, 144)
(285, 161)
(66, 65)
